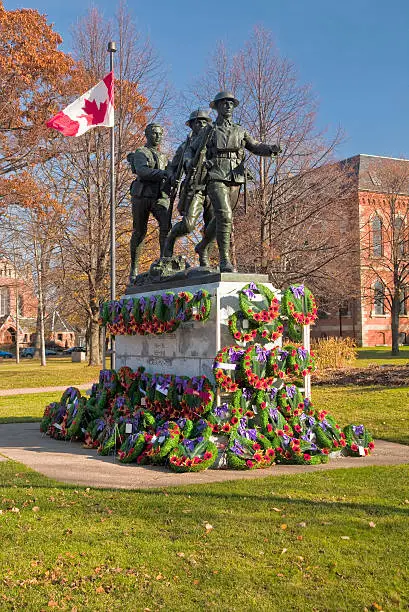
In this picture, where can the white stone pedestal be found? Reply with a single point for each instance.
(191, 349)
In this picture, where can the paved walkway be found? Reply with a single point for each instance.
(27, 390)
(69, 462)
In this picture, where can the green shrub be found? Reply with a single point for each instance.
(334, 352)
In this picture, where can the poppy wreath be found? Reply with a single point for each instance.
(257, 367)
(223, 419)
(198, 397)
(249, 452)
(261, 312)
(290, 401)
(184, 305)
(245, 335)
(228, 360)
(299, 361)
(131, 448)
(278, 358)
(293, 450)
(329, 436)
(112, 440)
(193, 455)
(108, 381)
(126, 377)
(271, 331)
(165, 311)
(50, 412)
(201, 305)
(162, 442)
(298, 303)
(359, 441)
(76, 418)
(270, 417)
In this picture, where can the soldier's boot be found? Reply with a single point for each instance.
(202, 248)
(223, 242)
(135, 254)
(163, 234)
(177, 230)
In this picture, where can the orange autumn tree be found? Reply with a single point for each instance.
(80, 178)
(32, 72)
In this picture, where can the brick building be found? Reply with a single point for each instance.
(377, 217)
(16, 291)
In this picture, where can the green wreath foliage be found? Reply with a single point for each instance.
(200, 457)
(261, 311)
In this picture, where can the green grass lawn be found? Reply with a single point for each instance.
(58, 371)
(379, 355)
(25, 408)
(383, 410)
(313, 542)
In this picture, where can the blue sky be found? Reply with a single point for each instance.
(354, 53)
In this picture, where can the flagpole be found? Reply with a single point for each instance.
(111, 51)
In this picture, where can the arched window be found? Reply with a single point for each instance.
(377, 243)
(4, 301)
(399, 236)
(379, 298)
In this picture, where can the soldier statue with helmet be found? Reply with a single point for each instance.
(148, 195)
(192, 200)
(224, 147)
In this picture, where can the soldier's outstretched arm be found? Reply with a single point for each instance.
(142, 168)
(259, 148)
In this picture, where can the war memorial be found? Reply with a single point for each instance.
(210, 368)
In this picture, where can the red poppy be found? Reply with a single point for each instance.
(207, 455)
(249, 463)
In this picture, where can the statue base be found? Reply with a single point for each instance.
(191, 349)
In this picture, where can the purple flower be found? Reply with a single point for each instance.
(273, 392)
(153, 299)
(142, 304)
(200, 426)
(181, 422)
(247, 393)
(120, 402)
(189, 444)
(291, 391)
(129, 305)
(235, 355)
(358, 430)
(180, 384)
(197, 383)
(323, 424)
(274, 414)
(237, 448)
(262, 354)
(168, 298)
(302, 352)
(221, 411)
(250, 294)
(198, 295)
(283, 354)
(199, 439)
(297, 292)
(181, 316)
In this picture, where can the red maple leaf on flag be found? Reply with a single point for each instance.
(93, 114)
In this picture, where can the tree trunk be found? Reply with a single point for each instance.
(395, 323)
(94, 343)
(17, 328)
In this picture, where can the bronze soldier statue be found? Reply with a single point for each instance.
(192, 201)
(149, 164)
(226, 173)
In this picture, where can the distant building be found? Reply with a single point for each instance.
(17, 292)
(365, 316)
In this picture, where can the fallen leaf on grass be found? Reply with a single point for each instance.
(372, 524)
(100, 589)
(52, 604)
(283, 526)
(302, 524)
(299, 538)
(283, 551)
(16, 510)
(195, 581)
(159, 577)
(35, 508)
(276, 509)
(208, 527)
(180, 554)
(345, 538)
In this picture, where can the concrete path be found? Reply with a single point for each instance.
(69, 462)
(28, 390)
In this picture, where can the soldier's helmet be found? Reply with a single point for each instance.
(199, 114)
(223, 95)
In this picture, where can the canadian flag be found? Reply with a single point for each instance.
(95, 107)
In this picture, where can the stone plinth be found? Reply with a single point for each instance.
(191, 349)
